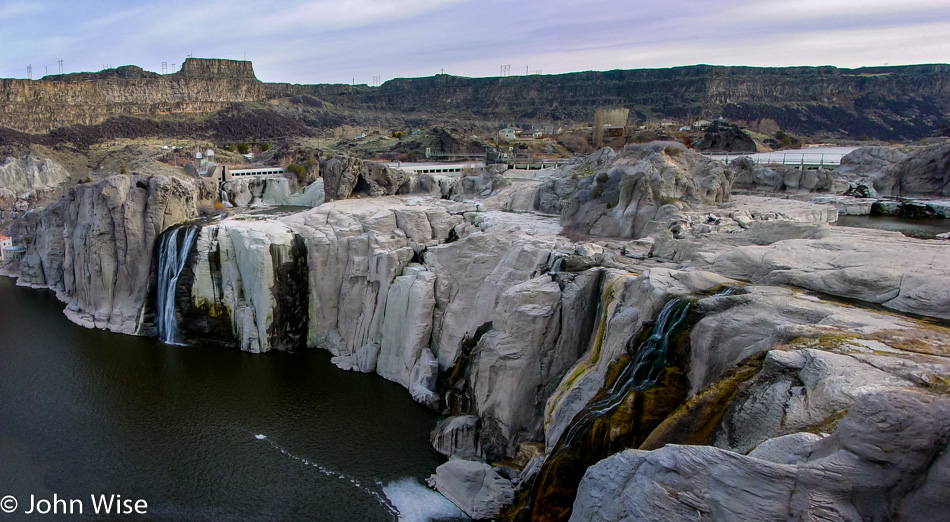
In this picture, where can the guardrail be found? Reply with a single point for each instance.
(796, 159)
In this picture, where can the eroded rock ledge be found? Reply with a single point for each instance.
(785, 399)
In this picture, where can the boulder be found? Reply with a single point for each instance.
(912, 171)
(474, 487)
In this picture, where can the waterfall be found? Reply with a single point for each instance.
(641, 373)
(172, 255)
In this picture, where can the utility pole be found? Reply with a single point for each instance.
(525, 70)
(46, 68)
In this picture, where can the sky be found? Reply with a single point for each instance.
(344, 41)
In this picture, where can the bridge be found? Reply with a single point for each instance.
(270, 172)
(438, 168)
(808, 158)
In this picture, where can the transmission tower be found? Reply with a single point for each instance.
(60, 62)
(29, 71)
(164, 67)
(375, 81)
(505, 70)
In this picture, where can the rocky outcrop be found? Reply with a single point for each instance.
(908, 276)
(474, 487)
(737, 327)
(343, 176)
(485, 184)
(109, 232)
(623, 195)
(255, 273)
(916, 171)
(254, 192)
(726, 137)
(780, 178)
(29, 173)
(881, 459)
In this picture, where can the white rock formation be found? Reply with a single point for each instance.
(109, 235)
(406, 323)
(247, 253)
(474, 487)
(877, 464)
(29, 173)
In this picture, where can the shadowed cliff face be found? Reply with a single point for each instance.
(900, 103)
(201, 87)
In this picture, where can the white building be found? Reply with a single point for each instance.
(8, 252)
(507, 133)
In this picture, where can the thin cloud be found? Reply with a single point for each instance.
(336, 41)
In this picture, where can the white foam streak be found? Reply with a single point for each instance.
(417, 503)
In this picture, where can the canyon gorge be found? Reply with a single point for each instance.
(642, 334)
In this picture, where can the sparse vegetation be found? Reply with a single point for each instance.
(602, 178)
(575, 143)
(206, 208)
(575, 234)
(672, 151)
(242, 148)
(123, 169)
(597, 192)
(299, 170)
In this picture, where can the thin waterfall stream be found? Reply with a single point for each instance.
(640, 373)
(172, 256)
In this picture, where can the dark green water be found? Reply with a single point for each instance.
(199, 432)
(922, 228)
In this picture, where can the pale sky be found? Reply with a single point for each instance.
(337, 41)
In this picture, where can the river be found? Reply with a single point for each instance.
(920, 228)
(200, 432)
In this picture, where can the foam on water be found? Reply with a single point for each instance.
(330, 473)
(417, 503)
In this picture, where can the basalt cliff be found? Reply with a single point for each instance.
(899, 103)
(622, 338)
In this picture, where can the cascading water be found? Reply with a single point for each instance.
(172, 255)
(640, 373)
(644, 390)
(615, 419)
